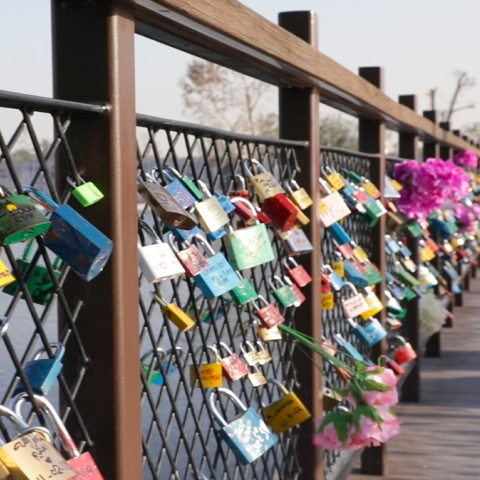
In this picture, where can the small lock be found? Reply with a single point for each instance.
(405, 352)
(188, 183)
(233, 366)
(190, 257)
(175, 314)
(374, 303)
(298, 195)
(268, 315)
(296, 242)
(296, 290)
(264, 183)
(245, 292)
(86, 193)
(370, 333)
(330, 399)
(348, 348)
(334, 178)
(271, 334)
(286, 412)
(393, 365)
(240, 189)
(392, 246)
(256, 378)
(282, 292)
(42, 373)
(208, 375)
(331, 206)
(155, 369)
(296, 272)
(339, 234)
(174, 186)
(354, 272)
(327, 300)
(359, 253)
(249, 353)
(301, 220)
(6, 276)
(209, 211)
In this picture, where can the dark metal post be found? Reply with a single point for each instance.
(445, 151)
(371, 139)
(93, 50)
(411, 389)
(299, 120)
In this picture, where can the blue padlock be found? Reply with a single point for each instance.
(339, 234)
(370, 333)
(183, 236)
(225, 202)
(219, 277)
(348, 348)
(42, 373)
(83, 247)
(354, 275)
(175, 187)
(217, 234)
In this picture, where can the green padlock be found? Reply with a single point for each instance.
(85, 192)
(245, 292)
(282, 292)
(372, 275)
(20, 219)
(39, 282)
(414, 229)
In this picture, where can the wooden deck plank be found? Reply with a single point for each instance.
(440, 436)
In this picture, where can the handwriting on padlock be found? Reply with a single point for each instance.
(328, 301)
(272, 414)
(355, 305)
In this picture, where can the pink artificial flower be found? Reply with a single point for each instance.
(466, 158)
(389, 427)
(387, 377)
(328, 438)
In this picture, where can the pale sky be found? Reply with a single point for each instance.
(418, 42)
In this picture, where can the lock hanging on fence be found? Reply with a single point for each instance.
(83, 247)
(6, 276)
(82, 464)
(233, 366)
(208, 375)
(295, 242)
(298, 195)
(332, 206)
(354, 305)
(269, 314)
(370, 333)
(248, 436)
(154, 373)
(404, 352)
(174, 313)
(174, 186)
(296, 272)
(245, 292)
(86, 193)
(209, 211)
(282, 292)
(42, 373)
(192, 260)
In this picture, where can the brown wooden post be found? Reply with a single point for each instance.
(411, 388)
(299, 120)
(371, 139)
(93, 51)
(446, 152)
(431, 150)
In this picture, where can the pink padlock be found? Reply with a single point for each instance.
(405, 352)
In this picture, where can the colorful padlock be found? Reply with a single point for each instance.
(208, 375)
(298, 195)
(86, 193)
(174, 313)
(296, 272)
(245, 292)
(355, 304)
(233, 366)
(269, 314)
(369, 333)
(174, 186)
(282, 292)
(405, 352)
(192, 260)
(209, 211)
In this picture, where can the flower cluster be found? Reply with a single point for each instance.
(467, 215)
(432, 314)
(466, 158)
(426, 186)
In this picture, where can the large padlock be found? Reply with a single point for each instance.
(83, 247)
(264, 183)
(281, 211)
(269, 314)
(286, 412)
(245, 292)
(20, 219)
(209, 211)
(32, 455)
(355, 304)
(39, 282)
(158, 261)
(42, 373)
(332, 206)
(174, 186)
(82, 464)
(192, 260)
(166, 206)
(233, 366)
(370, 333)
(250, 246)
(282, 292)
(296, 272)
(404, 352)
(208, 375)
(219, 277)
(86, 193)
(296, 242)
(247, 435)
(175, 314)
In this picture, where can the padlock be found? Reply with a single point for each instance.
(219, 277)
(354, 273)
(187, 182)
(391, 188)
(374, 304)
(250, 246)
(269, 334)
(174, 313)
(256, 378)
(359, 253)
(19, 218)
(249, 353)
(184, 235)
(295, 242)
(335, 281)
(334, 178)
(42, 373)
(247, 435)
(449, 271)
(174, 186)
(190, 257)
(394, 323)
(208, 375)
(332, 207)
(6, 277)
(245, 292)
(286, 412)
(405, 276)
(296, 290)
(158, 261)
(225, 201)
(330, 399)
(268, 315)
(301, 220)
(240, 189)
(425, 253)
(233, 366)
(370, 333)
(264, 183)
(32, 455)
(83, 247)
(392, 246)
(393, 365)
(296, 272)
(338, 233)
(209, 212)
(426, 277)
(282, 292)
(413, 228)
(82, 464)
(263, 355)
(298, 195)
(348, 348)
(328, 347)
(346, 249)
(151, 366)
(405, 352)
(394, 307)
(86, 193)
(39, 283)
(166, 206)
(281, 211)
(371, 272)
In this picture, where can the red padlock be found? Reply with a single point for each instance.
(269, 315)
(393, 365)
(282, 211)
(296, 290)
(248, 212)
(233, 366)
(405, 352)
(297, 273)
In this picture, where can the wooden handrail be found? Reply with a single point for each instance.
(231, 34)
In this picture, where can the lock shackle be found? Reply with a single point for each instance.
(157, 298)
(4, 324)
(400, 339)
(325, 186)
(170, 237)
(59, 354)
(173, 171)
(42, 198)
(52, 417)
(77, 182)
(288, 260)
(240, 178)
(220, 345)
(326, 268)
(19, 423)
(252, 161)
(150, 231)
(352, 323)
(278, 384)
(351, 286)
(206, 348)
(277, 279)
(249, 344)
(293, 183)
(286, 280)
(204, 188)
(339, 340)
(162, 353)
(254, 302)
(236, 401)
(248, 203)
(203, 241)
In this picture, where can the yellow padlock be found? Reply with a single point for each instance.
(264, 183)
(328, 301)
(359, 253)
(301, 220)
(335, 179)
(6, 277)
(426, 253)
(373, 302)
(269, 334)
(339, 268)
(208, 375)
(299, 196)
(175, 314)
(286, 412)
